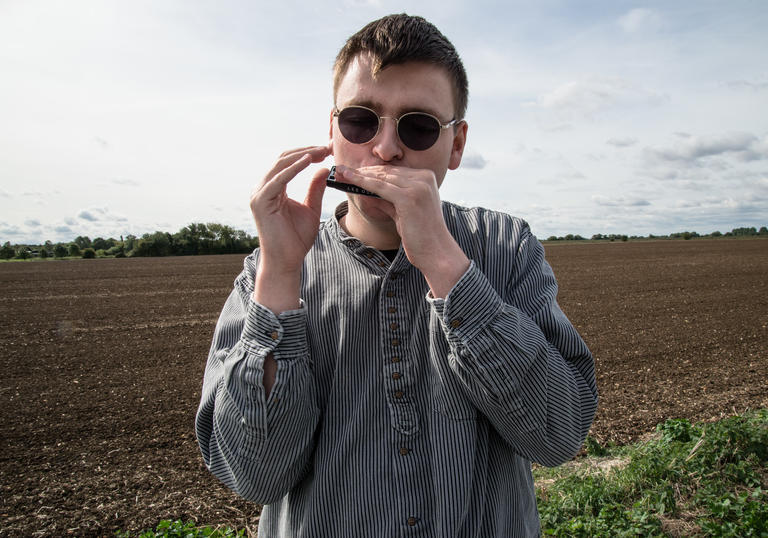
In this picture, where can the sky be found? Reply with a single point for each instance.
(589, 117)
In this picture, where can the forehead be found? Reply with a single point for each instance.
(397, 88)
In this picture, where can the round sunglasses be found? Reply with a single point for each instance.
(417, 130)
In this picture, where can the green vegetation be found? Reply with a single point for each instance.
(197, 238)
(736, 232)
(178, 529)
(705, 480)
(214, 238)
(691, 480)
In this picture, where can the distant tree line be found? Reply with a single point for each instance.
(194, 239)
(213, 238)
(736, 232)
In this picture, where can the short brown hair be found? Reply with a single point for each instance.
(398, 39)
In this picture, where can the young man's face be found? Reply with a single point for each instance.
(397, 89)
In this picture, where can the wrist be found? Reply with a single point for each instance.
(445, 270)
(277, 290)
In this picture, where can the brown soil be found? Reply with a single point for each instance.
(102, 365)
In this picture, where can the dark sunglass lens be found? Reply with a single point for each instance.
(358, 125)
(418, 131)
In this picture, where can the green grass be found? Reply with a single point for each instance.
(703, 480)
(179, 529)
(691, 480)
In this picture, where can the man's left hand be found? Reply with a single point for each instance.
(415, 208)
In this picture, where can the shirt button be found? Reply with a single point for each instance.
(395, 342)
(369, 255)
(274, 335)
(404, 451)
(395, 359)
(399, 395)
(412, 521)
(391, 309)
(396, 376)
(390, 293)
(456, 323)
(393, 326)
(383, 264)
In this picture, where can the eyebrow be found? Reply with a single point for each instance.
(378, 106)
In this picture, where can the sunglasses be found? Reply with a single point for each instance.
(417, 130)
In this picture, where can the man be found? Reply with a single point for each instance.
(394, 370)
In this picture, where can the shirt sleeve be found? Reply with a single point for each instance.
(522, 363)
(259, 447)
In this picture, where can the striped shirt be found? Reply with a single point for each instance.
(395, 413)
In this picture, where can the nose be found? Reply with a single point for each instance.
(386, 144)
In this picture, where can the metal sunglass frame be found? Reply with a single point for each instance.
(337, 111)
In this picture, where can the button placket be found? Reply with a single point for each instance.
(396, 368)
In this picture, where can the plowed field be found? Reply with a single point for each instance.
(102, 364)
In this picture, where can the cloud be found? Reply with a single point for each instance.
(474, 161)
(87, 215)
(12, 230)
(32, 223)
(64, 230)
(4, 194)
(102, 143)
(640, 19)
(126, 182)
(101, 215)
(619, 201)
(693, 149)
(748, 85)
(594, 94)
(622, 142)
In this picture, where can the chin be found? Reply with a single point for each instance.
(371, 208)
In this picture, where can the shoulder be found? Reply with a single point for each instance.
(487, 224)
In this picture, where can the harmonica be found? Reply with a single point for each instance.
(346, 187)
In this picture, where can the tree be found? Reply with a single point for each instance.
(156, 244)
(7, 251)
(74, 249)
(102, 244)
(60, 251)
(22, 253)
(89, 253)
(83, 241)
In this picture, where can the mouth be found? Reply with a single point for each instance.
(346, 187)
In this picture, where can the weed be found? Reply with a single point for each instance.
(709, 476)
(179, 529)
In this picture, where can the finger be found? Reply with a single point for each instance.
(377, 183)
(290, 157)
(314, 198)
(278, 182)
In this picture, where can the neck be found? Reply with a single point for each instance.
(381, 235)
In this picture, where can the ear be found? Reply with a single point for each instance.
(457, 147)
(330, 131)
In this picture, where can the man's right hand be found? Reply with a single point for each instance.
(287, 228)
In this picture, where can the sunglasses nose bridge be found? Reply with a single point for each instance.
(381, 125)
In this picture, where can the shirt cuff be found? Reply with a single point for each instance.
(284, 335)
(469, 307)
